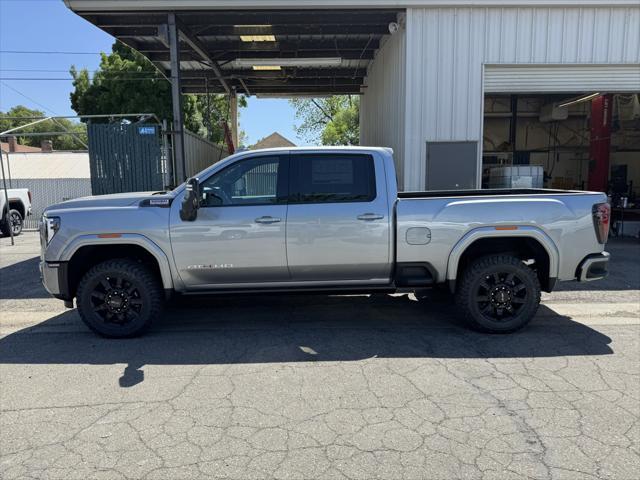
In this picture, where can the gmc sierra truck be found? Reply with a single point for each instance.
(318, 220)
(14, 212)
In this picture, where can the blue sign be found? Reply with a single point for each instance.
(147, 130)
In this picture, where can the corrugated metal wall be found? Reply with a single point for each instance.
(200, 153)
(448, 47)
(382, 107)
(48, 191)
(125, 157)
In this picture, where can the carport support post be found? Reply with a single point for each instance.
(176, 99)
(7, 217)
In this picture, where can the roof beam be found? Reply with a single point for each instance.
(336, 45)
(230, 56)
(251, 17)
(298, 29)
(201, 50)
(208, 33)
(281, 82)
(286, 72)
(218, 48)
(286, 90)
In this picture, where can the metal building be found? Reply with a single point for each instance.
(424, 68)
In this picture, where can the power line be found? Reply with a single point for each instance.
(122, 79)
(27, 97)
(38, 70)
(34, 52)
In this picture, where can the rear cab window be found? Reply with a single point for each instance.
(332, 178)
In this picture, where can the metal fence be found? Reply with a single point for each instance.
(262, 180)
(47, 191)
(200, 153)
(125, 157)
(122, 159)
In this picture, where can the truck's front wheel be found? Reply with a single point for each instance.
(119, 298)
(498, 294)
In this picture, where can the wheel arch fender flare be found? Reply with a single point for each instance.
(526, 231)
(123, 239)
(13, 200)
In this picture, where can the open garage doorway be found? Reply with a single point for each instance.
(574, 141)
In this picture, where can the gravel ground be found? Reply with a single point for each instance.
(302, 386)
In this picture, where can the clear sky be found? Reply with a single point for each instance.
(48, 26)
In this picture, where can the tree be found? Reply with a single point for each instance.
(331, 121)
(127, 82)
(60, 142)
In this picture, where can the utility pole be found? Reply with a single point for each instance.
(7, 217)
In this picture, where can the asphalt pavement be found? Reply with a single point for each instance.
(335, 387)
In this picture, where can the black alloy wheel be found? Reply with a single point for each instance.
(501, 295)
(498, 294)
(119, 298)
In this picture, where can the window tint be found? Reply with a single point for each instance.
(332, 178)
(249, 182)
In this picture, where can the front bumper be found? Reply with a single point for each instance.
(593, 267)
(55, 279)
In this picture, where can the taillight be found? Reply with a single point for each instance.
(601, 221)
(29, 194)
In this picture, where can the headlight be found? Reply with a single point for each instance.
(48, 228)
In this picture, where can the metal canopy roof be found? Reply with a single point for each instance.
(318, 52)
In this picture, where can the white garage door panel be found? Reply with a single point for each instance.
(561, 78)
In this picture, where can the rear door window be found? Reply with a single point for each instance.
(332, 178)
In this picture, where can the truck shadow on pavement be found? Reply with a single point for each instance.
(22, 280)
(301, 328)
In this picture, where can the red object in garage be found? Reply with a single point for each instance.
(600, 143)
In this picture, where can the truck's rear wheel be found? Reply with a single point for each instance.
(498, 294)
(119, 298)
(16, 223)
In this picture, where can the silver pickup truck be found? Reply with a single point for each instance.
(318, 220)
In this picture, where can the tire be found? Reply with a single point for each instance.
(119, 298)
(15, 220)
(498, 294)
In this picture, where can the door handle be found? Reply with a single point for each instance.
(267, 220)
(370, 216)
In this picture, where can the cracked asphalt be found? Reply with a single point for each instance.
(331, 387)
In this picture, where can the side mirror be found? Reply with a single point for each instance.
(191, 201)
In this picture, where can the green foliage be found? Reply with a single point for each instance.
(127, 82)
(330, 121)
(60, 142)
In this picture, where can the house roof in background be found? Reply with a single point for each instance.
(274, 140)
(50, 165)
(20, 148)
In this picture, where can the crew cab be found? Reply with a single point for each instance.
(15, 210)
(317, 220)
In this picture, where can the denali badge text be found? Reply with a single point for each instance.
(210, 267)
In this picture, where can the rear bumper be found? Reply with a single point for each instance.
(593, 267)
